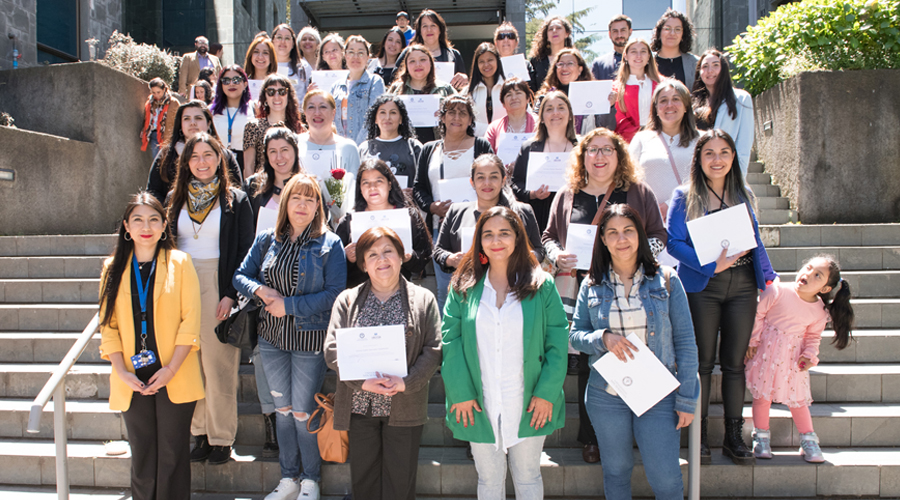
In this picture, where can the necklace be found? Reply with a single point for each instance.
(196, 229)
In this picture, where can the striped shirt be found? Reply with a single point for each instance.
(281, 274)
(626, 313)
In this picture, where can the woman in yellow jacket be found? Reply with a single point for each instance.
(150, 325)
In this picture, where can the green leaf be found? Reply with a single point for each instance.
(854, 42)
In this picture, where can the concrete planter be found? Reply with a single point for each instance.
(831, 140)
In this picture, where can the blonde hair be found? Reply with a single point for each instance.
(626, 174)
(625, 71)
(303, 185)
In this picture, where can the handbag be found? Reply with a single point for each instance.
(240, 329)
(334, 445)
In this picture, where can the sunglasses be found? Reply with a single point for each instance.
(237, 80)
(271, 92)
(506, 36)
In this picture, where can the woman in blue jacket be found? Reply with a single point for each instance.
(627, 292)
(722, 294)
(295, 271)
(355, 95)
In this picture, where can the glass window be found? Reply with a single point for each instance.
(183, 21)
(57, 31)
(645, 13)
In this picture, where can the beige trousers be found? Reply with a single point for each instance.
(215, 416)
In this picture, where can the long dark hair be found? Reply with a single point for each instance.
(523, 273)
(168, 166)
(443, 37)
(723, 91)
(687, 33)
(109, 284)
(179, 194)
(322, 64)
(540, 44)
(698, 192)
(291, 111)
(405, 129)
(477, 77)
(837, 302)
(220, 102)
(395, 193)
(265, 180)
(551, 81)
(601, 258)
(207, 91)
(273, 59)
(295, 52)
(403, 77)
(382, 53)
(542, 134)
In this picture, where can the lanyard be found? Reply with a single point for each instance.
(142, 296)
(230, 124)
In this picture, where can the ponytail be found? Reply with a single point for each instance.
(841, 314)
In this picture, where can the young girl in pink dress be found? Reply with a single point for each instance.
(784, 345)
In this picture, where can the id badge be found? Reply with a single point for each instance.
(143, 359)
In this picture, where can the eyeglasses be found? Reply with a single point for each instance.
(331, 51)
(669, 29)
(237, 80)
(506, 36)
(564, 65)
(359, 53)
(605, 150)
(282, 38)
(271, 92)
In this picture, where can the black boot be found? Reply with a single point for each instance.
(201, 450)
(733, 445)
(705, 455)
(270, 449)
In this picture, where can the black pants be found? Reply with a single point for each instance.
(585, 429)
(159, 432)
(384, 459)
(726, 305)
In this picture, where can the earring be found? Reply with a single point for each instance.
(165, 236)
(127, 236)
(482, 258)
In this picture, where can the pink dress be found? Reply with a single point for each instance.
(786, 329)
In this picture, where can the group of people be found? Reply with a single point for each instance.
(240, 206)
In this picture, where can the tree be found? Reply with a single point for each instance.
(537, 10)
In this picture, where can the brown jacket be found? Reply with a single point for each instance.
(190, 70)
(423, 353)
(639, 197)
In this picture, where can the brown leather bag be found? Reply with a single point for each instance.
(334, 446)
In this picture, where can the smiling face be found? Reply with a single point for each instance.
(498, 240)
(200, 93)
(709, 70)
(375, 188)
(193, 121)
(716, 158)
(619, 33)
(487, 65)
(281, 156)
(515, 101)
(568, 69)
(637, 56)
(260, 57)
(204, 162)
(488, 181)
(506, 42)
(284, 42)
(308, 44)
(671, 33)
(621, 238)
(332, 54)
(418, 65)
(669, 107)
(278, 100)
(555, 114)
(357, 55)
(301, 210)
(430, 32)
(393, 44)
(601, 160)
(145, 225)
(813, 278)
(233, 90)
(319, 113)
(382, 263)
(457, 119)
(388, 119)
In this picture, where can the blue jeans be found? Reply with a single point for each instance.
(443, 281)
(658, 440)
(294, 378)
(524, 464)
(266, 403)
(154, 144)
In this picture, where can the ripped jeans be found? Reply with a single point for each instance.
(294, 378)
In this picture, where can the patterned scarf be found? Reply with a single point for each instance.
(201, 198)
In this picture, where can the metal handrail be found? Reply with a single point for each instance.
(56, 388)
(694, 448)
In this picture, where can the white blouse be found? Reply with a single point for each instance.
(645, 96)
(206, 243)
(648, 151)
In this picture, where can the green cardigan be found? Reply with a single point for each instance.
(545, 342)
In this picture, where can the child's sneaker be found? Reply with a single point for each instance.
(809, 448)
(762, 447)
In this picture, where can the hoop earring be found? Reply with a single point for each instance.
(165, 236)
(127, 236)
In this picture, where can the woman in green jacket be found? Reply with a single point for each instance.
(504, 344)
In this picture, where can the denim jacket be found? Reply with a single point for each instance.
(670, 331)
(322, 275)
(362, 96)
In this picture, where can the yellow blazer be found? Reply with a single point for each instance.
(176, 321)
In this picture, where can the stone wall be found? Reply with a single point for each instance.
(77, 151)
(831, 141)
(17, 17)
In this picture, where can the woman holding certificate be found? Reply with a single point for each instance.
(385, 415)
(601, 174)
(444, 169)
(555, 134)
(155, 379)
(723, 293)
(296, 270)
(378, 189)
(431, 33)
(568, 67)
(357, 93)
(517, 100)
(417, 76)
(259, 62)
(277, 104)
(627, 293)
(330, 53)
(392, 139)
(504, 340)
(485, 85)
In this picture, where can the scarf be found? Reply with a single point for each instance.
(201, 198)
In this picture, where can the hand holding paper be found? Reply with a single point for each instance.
(641, 381)
(730, 229)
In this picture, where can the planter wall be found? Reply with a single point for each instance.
(831, 141)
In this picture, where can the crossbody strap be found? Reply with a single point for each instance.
(671, 159)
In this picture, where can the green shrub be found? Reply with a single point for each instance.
(139, 59)
(817, 35)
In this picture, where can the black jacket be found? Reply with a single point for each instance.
(520, 174)
(236, 235)
(160, 189)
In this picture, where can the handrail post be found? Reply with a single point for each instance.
(694, 449)
(61, 440)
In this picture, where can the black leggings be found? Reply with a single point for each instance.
(726, 305)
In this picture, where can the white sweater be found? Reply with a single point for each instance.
(649, 153)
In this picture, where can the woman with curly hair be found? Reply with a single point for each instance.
(554, 35)
(392, 139)
(277, 104)
(672, 40)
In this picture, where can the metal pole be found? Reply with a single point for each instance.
(694, 450)
(59, 437)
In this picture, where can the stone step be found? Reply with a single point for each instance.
(769, 203)
(764, 190)
(51, 267)
(856, 258)
(45, 317)
(445, 471)
(758, 178)
(78, 244)
(776, 216)
(45, 347)
(831, 235)
(836, 424)
(865, 284)
(33, 291)
(755, 167)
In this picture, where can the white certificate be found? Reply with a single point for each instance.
(397, 219)
(546, 169)
(363, 352)
(730, 228)
(254, 86)
(444, 71)
(640, 382)
(319, 163)
(284, 70)
(459, 190)
(590, 98)
(509, 145)
(580, 241)
(403, 180)
(466, 238)
(325, 79)
(514, 67)
(422, 109)
(266, 219)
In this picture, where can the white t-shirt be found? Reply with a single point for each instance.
(206, 243)
(237, 128)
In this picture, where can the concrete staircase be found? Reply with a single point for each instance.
(773, 208)
(48, 293)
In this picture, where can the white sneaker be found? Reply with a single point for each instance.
(287, 489)
(309, 490)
